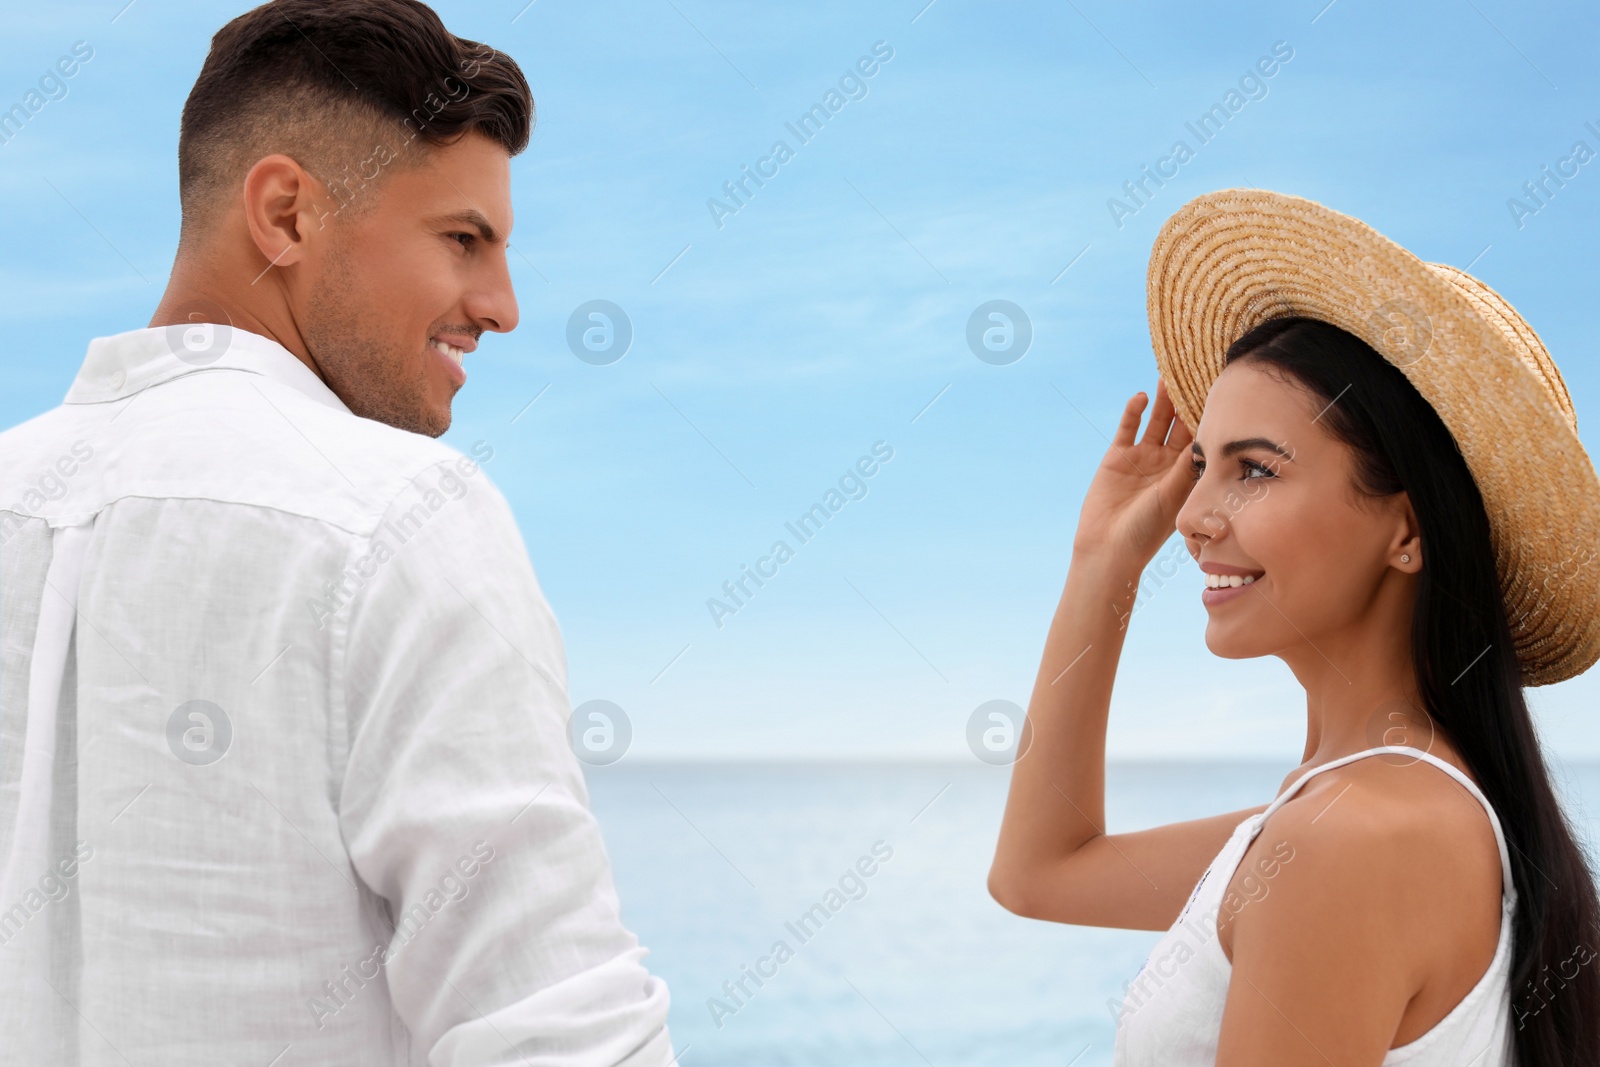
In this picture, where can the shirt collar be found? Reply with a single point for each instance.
(126, 363)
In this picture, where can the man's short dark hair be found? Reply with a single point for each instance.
(347, 88)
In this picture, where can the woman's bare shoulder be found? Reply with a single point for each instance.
(1389, 825)
(1388, 875)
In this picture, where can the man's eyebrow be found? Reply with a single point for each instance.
(1233, 448)
(471, 217)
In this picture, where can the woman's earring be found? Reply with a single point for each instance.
(1405, 559)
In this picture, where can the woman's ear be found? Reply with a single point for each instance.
(1405, 550)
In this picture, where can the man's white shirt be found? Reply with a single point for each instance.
(284, 771)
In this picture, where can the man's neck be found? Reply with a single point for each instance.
(199, 290)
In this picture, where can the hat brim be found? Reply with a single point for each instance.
(1230, 260)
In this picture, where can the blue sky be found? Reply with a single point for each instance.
(772, 352)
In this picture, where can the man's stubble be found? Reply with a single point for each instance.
(344, 335)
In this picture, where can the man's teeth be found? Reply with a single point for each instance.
(452, 351)
(1224, 581)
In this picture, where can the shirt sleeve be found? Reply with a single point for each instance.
(464, 808)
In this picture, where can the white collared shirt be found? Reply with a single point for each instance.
(284, 771)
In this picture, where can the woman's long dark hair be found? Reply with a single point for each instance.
(1401, 444)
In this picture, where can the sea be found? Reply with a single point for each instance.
(909, 962)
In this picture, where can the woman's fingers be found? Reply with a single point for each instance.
(1160, 416)
(1181, 436)
(1129, 424)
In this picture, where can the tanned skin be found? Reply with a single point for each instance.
(1388, 913)
(359, 293)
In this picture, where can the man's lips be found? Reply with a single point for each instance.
(451, 355)
(466, 342)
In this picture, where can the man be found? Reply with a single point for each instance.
(284, 776)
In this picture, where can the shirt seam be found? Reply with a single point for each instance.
(338, 705)
(339, 637)
(322, 519)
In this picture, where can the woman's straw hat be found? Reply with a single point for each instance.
(1230, 260)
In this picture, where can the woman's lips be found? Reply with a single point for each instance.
(1211, 597)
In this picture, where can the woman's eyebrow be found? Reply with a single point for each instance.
(1233, 448)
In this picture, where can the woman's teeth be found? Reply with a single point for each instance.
(456, 354)
(1223, 581)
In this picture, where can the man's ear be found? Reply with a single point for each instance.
(283, 209)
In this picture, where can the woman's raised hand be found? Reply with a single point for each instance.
(1132, 504)
(1055, 859)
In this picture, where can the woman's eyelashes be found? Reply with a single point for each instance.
(1248, 468)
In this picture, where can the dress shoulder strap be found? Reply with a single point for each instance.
(1508, 885)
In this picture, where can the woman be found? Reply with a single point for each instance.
(1386, 491)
